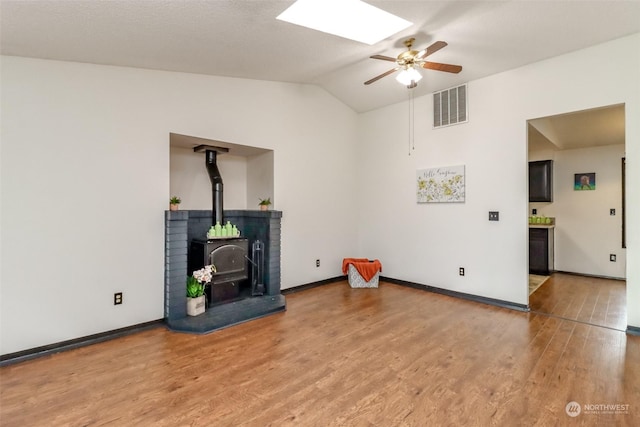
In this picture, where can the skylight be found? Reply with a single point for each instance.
(351, 19)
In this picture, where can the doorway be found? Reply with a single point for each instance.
(587, 253)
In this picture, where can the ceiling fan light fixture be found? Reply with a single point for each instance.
(351, 19)
(409, 75)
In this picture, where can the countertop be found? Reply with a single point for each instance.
(542, 226)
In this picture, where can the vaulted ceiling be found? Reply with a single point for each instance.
(243, 39)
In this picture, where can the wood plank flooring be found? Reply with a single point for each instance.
(391, 356)
(601, 302)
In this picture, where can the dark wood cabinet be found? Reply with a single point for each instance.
(540, 251)
(541, 181)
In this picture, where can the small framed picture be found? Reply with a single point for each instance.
(584, 181)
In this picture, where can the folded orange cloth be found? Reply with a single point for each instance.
(366, 268)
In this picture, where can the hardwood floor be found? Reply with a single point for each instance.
(391, 356)
(601, 302)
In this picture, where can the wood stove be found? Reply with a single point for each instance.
(230, 259)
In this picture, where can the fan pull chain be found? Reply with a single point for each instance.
(413, 124)
(412, 142)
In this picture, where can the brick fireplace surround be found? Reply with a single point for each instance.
(181, 227)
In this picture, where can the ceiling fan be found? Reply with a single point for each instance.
(410, 59)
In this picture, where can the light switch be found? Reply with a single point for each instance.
(494, 216)
(612, 212)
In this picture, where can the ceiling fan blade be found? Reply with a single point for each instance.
(384, 58)
(385, 74)
(431, 49)
(442, 67)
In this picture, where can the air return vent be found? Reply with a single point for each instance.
(450, 107)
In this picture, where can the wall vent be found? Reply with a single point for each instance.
(450, 107)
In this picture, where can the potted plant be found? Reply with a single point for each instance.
(174, 202)
(195, 289)
(264, 204)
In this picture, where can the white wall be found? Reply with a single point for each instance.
(585, 233)
(190, 180)
(260, 180)
(85, 183)
(427, 243)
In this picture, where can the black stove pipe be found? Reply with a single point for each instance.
(216, 186)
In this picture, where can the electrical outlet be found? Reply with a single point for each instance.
(461, 271)
(317, 263)
(494, 216)
(612, 257)
(612, 212)
(117, 298)
(534, 211)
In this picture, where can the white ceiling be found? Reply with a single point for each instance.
(243, 39)
(189, 142)
(588, 128)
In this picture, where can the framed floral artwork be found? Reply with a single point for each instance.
(440, 185)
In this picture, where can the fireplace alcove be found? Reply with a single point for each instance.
(181, 228)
